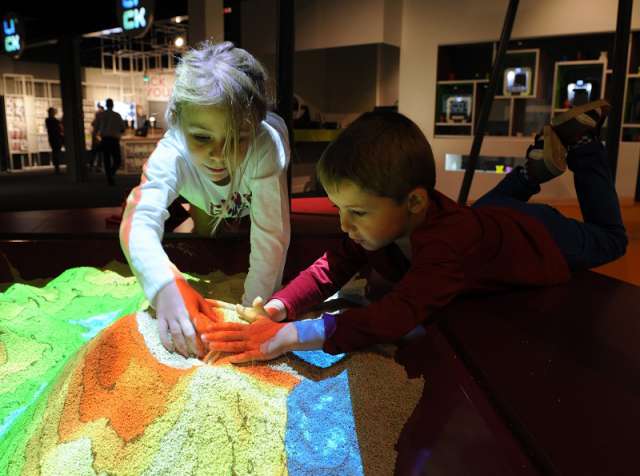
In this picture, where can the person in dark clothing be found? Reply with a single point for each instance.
(56, 137)
(110, 127)
(95, 155)
(380, 174)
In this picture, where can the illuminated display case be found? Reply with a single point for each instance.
(577, 82)
(455, 107)
(541, 77)
(519, 77)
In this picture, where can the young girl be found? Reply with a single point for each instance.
(225, 154)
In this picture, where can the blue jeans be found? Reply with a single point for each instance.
(601, 238)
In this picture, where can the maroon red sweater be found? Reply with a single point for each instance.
(456, 250)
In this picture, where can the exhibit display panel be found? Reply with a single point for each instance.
(576, 83)
(519, 76)
(541, 77)
(455, 107)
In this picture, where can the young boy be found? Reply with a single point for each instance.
(380, 174)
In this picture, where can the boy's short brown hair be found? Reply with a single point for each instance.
(384, 153)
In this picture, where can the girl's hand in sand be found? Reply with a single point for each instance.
(179, 308)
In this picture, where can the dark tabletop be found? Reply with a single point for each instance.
(562, 366)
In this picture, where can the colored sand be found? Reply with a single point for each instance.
(87, 388)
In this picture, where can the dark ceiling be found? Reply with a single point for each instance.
(49, 20)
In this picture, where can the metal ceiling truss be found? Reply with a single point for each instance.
(155, 52)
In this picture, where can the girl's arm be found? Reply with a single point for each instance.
(142, 226)
(269, 213)
(177, 305)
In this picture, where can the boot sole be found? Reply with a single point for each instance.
(554, 152)
(573, 124)
(576, 111)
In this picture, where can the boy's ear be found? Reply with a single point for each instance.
(418, 200)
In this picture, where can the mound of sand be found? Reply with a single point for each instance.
(87, 389)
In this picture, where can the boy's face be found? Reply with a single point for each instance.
(204, 129)
(370, 220)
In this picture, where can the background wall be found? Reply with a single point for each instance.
(347, 51)
(355, 54)
(37, 70)
(425, 25)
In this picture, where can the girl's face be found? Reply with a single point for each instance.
(204, 129)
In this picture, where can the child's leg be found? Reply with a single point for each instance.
(545, 160)
(605, 237)
(601, 237)
(513, 187)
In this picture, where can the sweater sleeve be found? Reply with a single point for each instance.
(436, 276)
(322, 279)
(142, 226)
(269, 212)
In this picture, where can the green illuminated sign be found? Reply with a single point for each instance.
(135, 16)
(12, 35)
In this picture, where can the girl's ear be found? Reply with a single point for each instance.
(418, 200)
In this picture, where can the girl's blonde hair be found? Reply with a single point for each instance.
(219, 74)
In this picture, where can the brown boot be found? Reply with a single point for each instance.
(546, 157)
(586, 120)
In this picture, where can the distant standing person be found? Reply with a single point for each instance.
(95, 156)
(56, 137)
(110, 127)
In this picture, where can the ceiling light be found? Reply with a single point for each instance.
(179, 41)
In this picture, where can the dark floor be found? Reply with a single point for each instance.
(43, 190)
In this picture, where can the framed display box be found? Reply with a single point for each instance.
(577, 82)
(519, 78)
(455, 107)
(541, 77)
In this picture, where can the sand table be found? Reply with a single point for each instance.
(86, 388)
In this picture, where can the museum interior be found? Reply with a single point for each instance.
(539, 377)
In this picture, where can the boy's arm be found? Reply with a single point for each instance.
(311, 287)
(435, 278)
(263, 339)
(320, 280)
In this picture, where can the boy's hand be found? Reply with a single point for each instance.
(179, 308)
(273, 310)
(263, 339)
